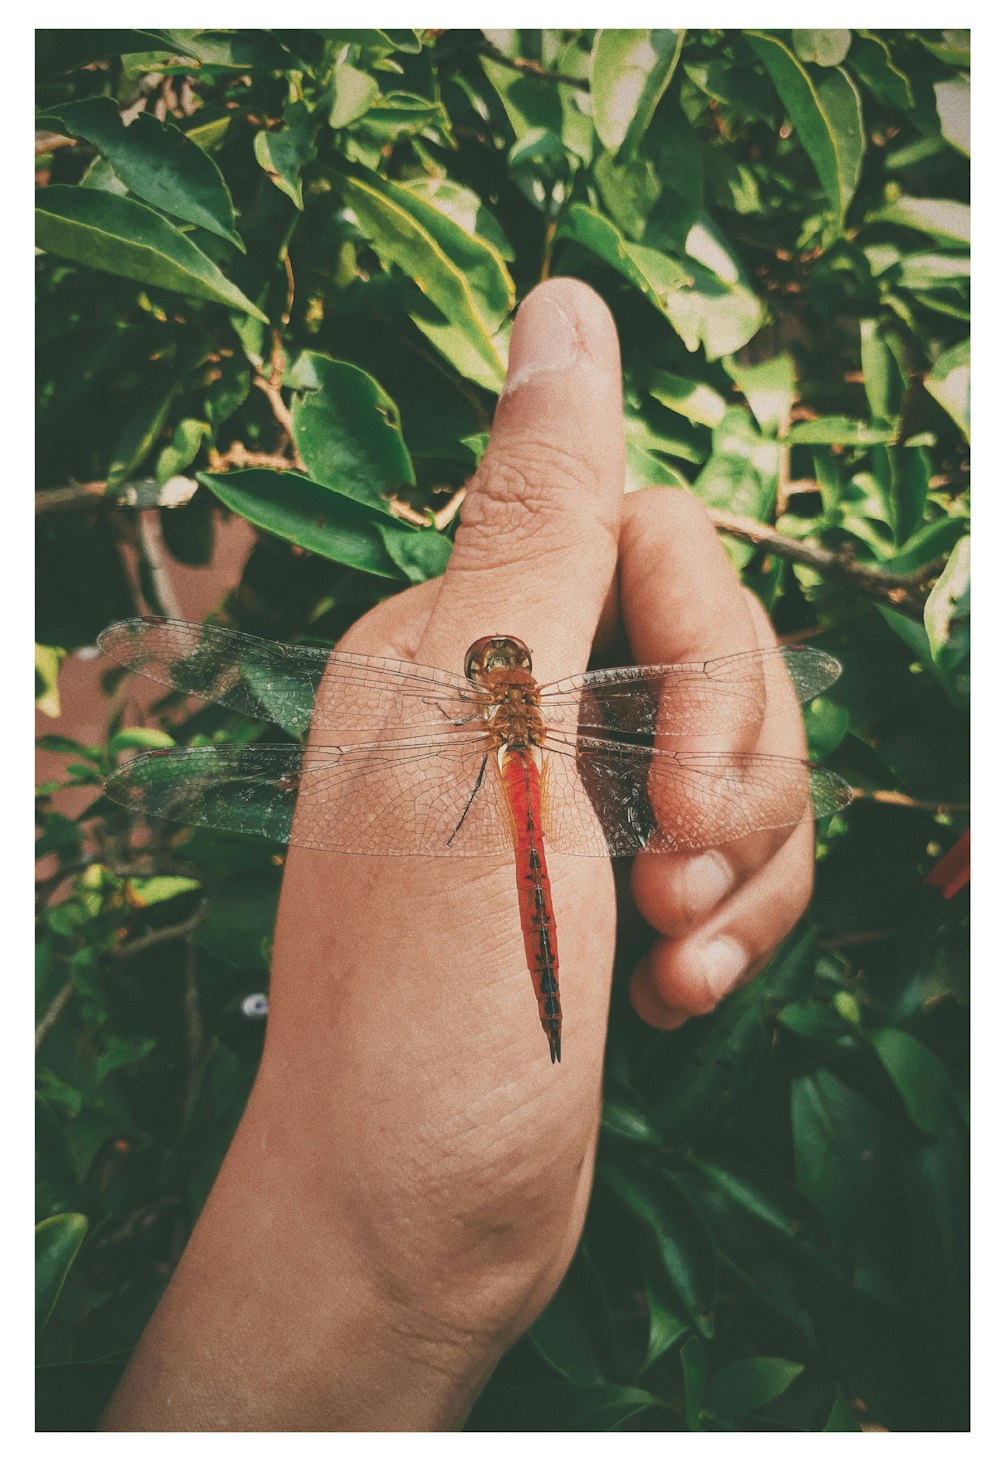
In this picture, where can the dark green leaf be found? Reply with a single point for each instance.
(123, 237)
(347, 429)
(752, 1383)
(154, 160)
(826, 114)
(694, 1365)
(461, 275)
(310, 515)
(947, 621)
(57, 1242)
(284, 153)
(57, 51)
(918, 1076)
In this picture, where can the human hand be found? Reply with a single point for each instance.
(411, 1177)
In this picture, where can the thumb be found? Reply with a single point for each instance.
(536, 548)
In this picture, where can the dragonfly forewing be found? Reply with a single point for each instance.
(293, 686)
(717, 696)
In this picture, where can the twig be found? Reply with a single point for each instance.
(281, 414)
(46, 142)
(445, 514)
(140, 496)
(151, 548)
(157, 936)
(901, 591)
(535, 68)
(52, 1014)
(900, 799)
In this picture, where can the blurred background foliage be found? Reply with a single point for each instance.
(276, 276)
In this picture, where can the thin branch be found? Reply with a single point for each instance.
(901, 591)
(535, 68)
(157, 936)
(281, 414)
(46, 142)
(152, 550)
(52, 1014)
(900, 799)
(445, 514)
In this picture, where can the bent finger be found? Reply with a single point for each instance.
(689, 976)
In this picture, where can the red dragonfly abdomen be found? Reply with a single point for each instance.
(534, 893)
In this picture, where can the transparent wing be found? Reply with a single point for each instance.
(692, 700)
(383, 799)
(605, 799)
(281, 682)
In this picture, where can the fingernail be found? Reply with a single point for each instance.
(545, 338)
(722, 962)
(707, 880)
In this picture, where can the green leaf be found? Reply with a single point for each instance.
(883, 365)
(948, 382)
(351, 92)
(752, 1383)
(947, 621)
(841, 1418)
(954, 104)
(463, 207)
(181, 450)
(240, 50)
(629, 72)
(313, 516)
(120, 1053)
(769, 389)
(574, 1333)
(560, 1407)
(824, 47)
(146, 892)
(654, 274)
(347, 429)
(644, 469)
(825, 114)
(239, 924)
(741, 475)
(284, 153)
(694, 1366)
(462, 276)
(140, 738)
(155, 160)
(875, 64)
(48, 658)
(693, 399)
(719, 309)
(682, 1244)
(919, 1077)
(141, 430)
(840, 431)
(941, 218)
(57, 51)
(57, 1242)
(123, 237)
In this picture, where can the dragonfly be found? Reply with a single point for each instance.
(407, 759)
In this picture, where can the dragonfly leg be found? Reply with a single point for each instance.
(468, 805)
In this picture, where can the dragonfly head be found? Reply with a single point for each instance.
(496, 652)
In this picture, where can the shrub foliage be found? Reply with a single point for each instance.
(276, 277)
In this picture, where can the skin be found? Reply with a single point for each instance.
(410, 1179)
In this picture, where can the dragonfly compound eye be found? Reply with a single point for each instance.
(496, 652)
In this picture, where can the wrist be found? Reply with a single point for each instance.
(278, 1319)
